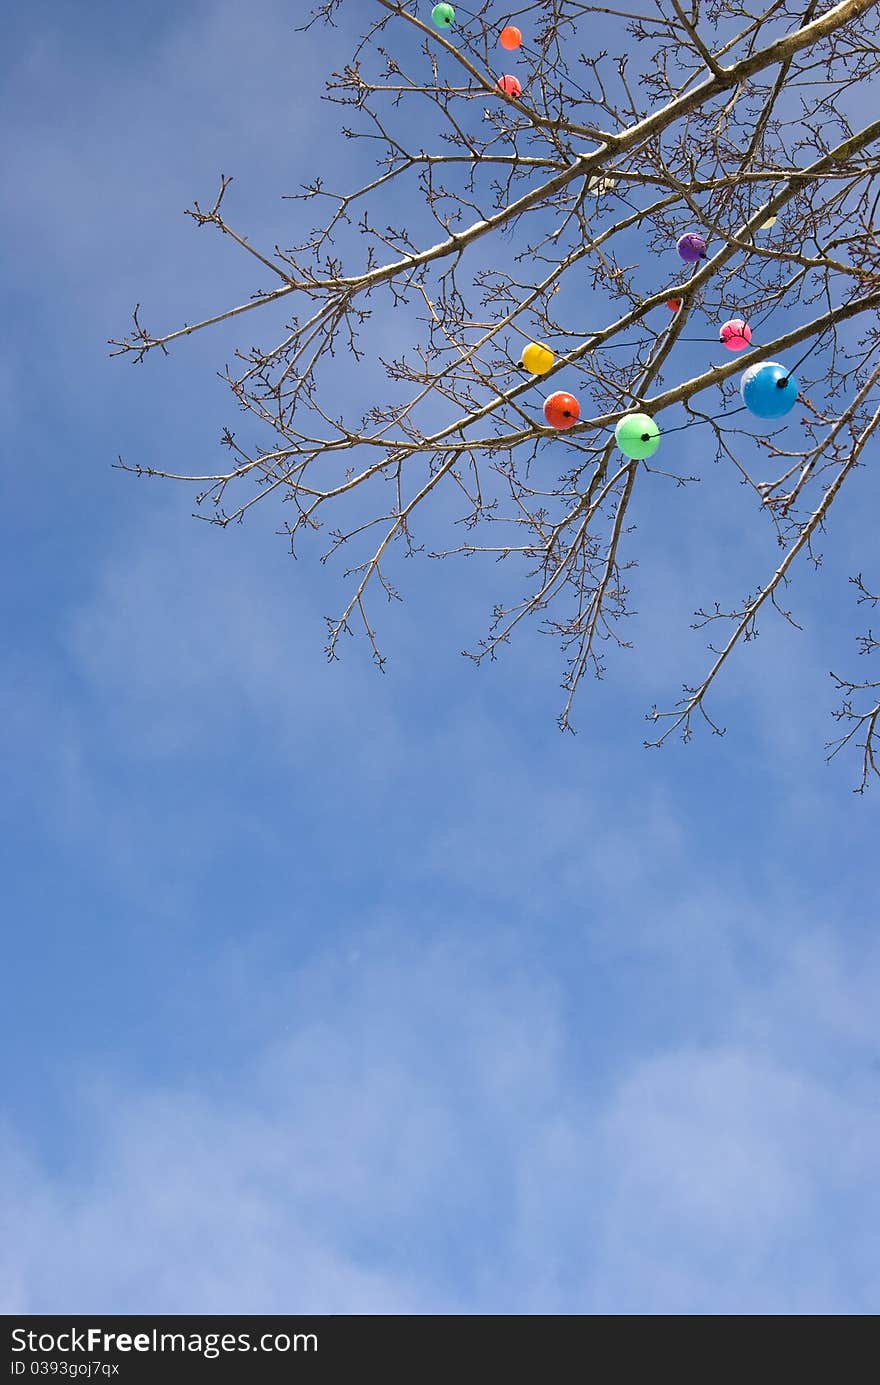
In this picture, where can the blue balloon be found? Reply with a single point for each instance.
(768, 390)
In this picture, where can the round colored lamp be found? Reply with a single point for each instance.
(673, 304)
(691, 247)
(769, 223)
(443, 16)
(596, 186)
(510, 38)
(637, 436)
(735, 334)
(561, 410)
(768, 390)
(511, 86)
(537, 358)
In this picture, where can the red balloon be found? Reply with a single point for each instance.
(511, 86)
(561, 410)
(673, 304)
(511, 37)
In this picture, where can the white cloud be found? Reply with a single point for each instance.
(731, 1172)
(424, 1139)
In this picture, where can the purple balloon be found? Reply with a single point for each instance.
(692, 247)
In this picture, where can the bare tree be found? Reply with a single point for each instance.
(855, 711)
(709, 119)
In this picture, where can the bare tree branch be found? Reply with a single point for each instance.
(552, 217)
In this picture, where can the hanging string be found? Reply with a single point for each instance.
(695, 422)
(614, 345)
(769, 313)
(808, 352)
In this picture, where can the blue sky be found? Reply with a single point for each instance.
(335, 992)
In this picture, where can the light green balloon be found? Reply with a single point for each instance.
(637, 436)
(443, 16)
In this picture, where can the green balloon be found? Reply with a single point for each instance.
(443, 16)
(637, 436)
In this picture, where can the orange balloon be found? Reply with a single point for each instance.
(511, 86)
(561, 410)
(511, 38)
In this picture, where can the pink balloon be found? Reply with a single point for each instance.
(511, 86)
(736, 334)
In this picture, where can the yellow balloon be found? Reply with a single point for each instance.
(771, 221)
(537, 358)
